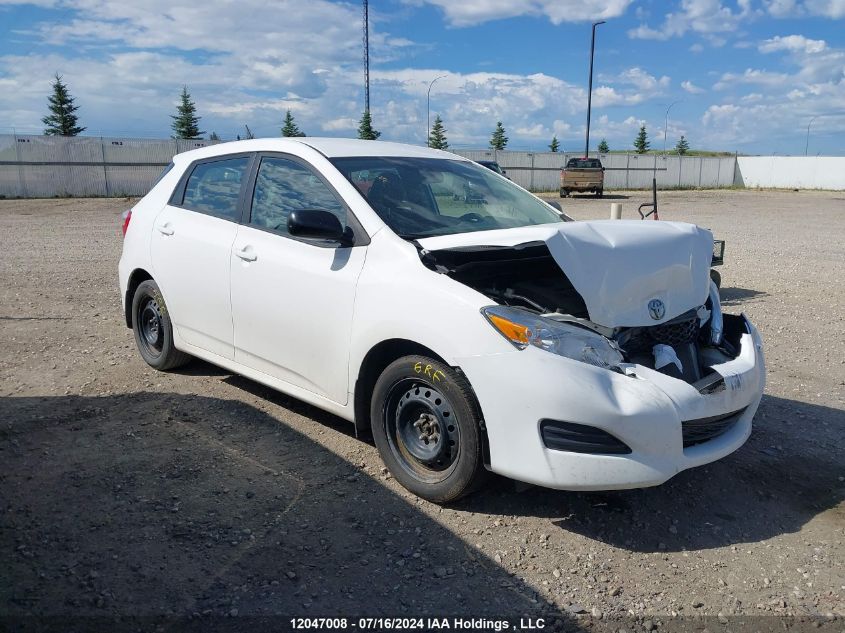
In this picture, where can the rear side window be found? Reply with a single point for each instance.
(215, 187)
(283, 186)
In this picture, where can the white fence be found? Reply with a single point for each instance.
(47, 166)
(540, 171)
(792, 172)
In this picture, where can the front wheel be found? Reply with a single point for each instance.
(427, 427)
(153, 328)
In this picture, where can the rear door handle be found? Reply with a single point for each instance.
(165, 229)
(247, 254)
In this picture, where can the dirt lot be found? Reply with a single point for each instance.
(197, 493)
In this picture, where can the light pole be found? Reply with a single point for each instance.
(807, 144)
(590, 88)
(428, 108)
(666, 125)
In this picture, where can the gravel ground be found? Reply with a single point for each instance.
(200, 494)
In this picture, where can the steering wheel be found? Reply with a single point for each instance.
(472, 217)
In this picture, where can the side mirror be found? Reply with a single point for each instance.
(556, 205)
(318, 224)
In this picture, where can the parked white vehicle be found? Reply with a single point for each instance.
(468, 324)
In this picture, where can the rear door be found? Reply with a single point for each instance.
(191, 247)
(293, 298)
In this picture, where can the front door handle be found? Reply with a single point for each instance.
(165, 229)
(247, 254)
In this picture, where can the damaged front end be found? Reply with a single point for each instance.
(605, 295)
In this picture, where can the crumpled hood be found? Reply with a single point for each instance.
(617, 266)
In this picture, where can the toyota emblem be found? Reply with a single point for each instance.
(656, 309)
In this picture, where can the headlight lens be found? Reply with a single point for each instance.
(523, 328)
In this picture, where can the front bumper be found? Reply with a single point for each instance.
(517, 390)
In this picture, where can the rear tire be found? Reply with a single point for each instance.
(153, 329)
(427, 427)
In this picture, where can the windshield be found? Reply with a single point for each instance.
(423, 197)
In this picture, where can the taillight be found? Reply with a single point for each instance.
(127, 215)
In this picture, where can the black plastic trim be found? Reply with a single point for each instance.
(580, 438)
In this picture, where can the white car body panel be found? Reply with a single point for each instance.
(292, 309)
(307, 334)
(650, 258)
(191, 260)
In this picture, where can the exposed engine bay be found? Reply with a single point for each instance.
(527, 276)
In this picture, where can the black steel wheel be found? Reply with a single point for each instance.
(427, 427)
(153, 328)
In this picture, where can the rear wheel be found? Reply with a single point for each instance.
(153, 328)
(427, 427)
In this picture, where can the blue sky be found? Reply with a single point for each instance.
(747, 75)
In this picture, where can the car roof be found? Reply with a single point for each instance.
(329, 147)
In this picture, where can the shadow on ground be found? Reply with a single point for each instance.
(151, 504)
(780, 480)
(734, 296)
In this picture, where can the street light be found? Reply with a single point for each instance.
(590, 89)
(428, 108)
(666, 125)
(807, 144)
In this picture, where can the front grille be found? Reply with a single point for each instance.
(580, 438)
(675, 332)
(679, 331)
(704, 429)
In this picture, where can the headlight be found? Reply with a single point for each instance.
(523, 328)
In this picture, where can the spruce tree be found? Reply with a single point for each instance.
(213, 137)
(437, 137)
(290, 128)
(554, 146)
(365, 128)
(683, 146)
(498, 140)
(185, 121)
(603, 147)
(641, 142)
(61, 121)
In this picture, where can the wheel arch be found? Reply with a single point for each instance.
(375, 362)
(138, 276)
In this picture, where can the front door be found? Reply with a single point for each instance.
(292, 298)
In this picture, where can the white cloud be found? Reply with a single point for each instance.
(792, 43)
(691, 88)
(470, 12)
(834, 9)
(706, 17)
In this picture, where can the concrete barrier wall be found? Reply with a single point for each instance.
(792, 172)
(540, 171)
(46, 166)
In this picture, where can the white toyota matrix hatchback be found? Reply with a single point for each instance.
(467, 324)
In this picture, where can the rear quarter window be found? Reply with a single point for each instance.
(214, 187)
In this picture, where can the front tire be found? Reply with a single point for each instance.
(427, 427)
(153, 328)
